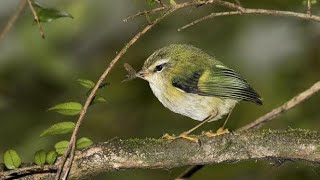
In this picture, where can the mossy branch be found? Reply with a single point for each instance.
(294, 145)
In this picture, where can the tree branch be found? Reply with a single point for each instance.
(248, 11)
(34, 171)
(293, 145)
(285, 107)
(13, 19)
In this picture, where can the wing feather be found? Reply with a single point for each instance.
(218, 81)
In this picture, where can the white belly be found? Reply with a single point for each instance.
(192, 105)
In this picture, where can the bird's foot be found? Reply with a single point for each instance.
(183, 135)
(169, 137)
(220, 131)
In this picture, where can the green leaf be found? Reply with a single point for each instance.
(83, 143)
(59, 128)
(98, 99)
(40, 157)
(172, 2)
(49, 14)
(11, 159)
(61, 147)
(86, 83)
(51, 157)
(68, 108)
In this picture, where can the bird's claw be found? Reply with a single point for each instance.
(183, 135)
(220, 131)
(188, 137)
(169, 137)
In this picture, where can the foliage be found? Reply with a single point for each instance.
(59, 128)
(51, 157)
(40, 157)
(49, 14)
(68, 108)
(83, 143)
(61, 146)
(11, 159)
(86, 83)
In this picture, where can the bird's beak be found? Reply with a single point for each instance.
(141, 74)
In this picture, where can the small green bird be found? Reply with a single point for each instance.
(190, 82)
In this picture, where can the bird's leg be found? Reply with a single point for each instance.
(185, 134)
(198, 125)
(221, 130)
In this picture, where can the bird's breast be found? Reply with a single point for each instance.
(191, 105)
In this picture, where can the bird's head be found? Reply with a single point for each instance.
(168, 61)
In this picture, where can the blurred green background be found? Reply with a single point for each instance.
(278, 56)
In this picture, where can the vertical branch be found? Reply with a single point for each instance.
(13, 19)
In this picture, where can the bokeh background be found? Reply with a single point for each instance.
(279, 56)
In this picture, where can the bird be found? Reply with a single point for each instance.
(190, 82)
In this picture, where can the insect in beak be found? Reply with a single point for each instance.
(133, 74)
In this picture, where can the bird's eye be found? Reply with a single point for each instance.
(158, 68)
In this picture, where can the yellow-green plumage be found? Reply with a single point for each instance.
(190, 82)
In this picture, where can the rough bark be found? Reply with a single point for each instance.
(159, 153)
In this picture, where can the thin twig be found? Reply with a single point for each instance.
(152, 11)
(285, 107)
(13, 19)
(27, 170)
(162, 8)
(230, 5)
(35, 16)
(247, 11)
(189, 172)
(208, 17)
(68, 166)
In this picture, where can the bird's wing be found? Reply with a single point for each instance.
(219, 81)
